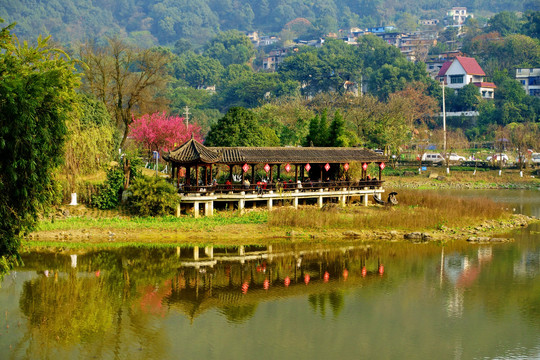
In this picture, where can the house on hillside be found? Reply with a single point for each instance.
(458, 15)
(465, 70)
(530, 80)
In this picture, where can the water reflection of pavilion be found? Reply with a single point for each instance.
(248, 276)
(319, 174)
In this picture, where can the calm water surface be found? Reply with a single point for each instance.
(369, 301)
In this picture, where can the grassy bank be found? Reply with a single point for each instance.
(424, 211)
(437, 178)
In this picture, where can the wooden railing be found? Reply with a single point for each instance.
(281, 187)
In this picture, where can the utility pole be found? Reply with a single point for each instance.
(444, 117)
(186, 115)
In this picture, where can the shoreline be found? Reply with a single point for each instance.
(489, 230)
(81, 226)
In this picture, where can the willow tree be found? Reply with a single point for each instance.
(36, 95)
(130, 81)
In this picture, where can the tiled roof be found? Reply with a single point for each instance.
(470, 65)
(295, 155)
(444, 68)
(194, 152)
(485, 84)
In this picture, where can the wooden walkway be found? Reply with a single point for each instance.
(289, 193)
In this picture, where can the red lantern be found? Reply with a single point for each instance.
(307, 278)
(364, 271)
(245, 287)
(287, 281)
(266, 284)
(245, 167)
(307, 167)
(327, 167)
(267, 168)
(382, 166)
(381, 269)
(346, 166)
(98, 273)
(326, 276)
(364, 166)
(287, 168)
(345, 274)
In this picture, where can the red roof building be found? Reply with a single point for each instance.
(465, 70)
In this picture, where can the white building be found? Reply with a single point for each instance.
(465, 70)
(458, 15)
(530, 80)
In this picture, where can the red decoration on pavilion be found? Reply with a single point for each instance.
(245, 287)
(267, 168)
(346, 166)
(327, 167)
(287, 281)
(364, 166)
(307, 278)
(307, 167)
(245, 167)
(266, 284)
(364, 271)
(326, 276)
(382, 166)
(345, 274)
(287, 168)
(381, 269)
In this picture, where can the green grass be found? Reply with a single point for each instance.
(158, 223)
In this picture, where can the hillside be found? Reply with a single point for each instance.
(163, 22)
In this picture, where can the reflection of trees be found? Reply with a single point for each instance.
(318, 302)
(67, 310)
(239, 314)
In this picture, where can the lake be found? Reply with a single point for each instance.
(287, 301)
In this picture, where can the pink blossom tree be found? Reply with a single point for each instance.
(158, 132)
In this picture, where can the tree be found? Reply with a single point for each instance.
(128, 80)
(36, 92)
(531, 26)
(337, 136)
(505, 23)
(239, 127)
(90, 139)
(230, 47)
(158, 132)
(468, 98)
(198, 70)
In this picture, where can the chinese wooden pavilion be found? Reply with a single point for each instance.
(319, 173)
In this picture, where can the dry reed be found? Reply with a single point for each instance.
(417, 210)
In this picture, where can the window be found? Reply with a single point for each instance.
(456, 79)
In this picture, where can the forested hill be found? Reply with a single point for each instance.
(153, 22)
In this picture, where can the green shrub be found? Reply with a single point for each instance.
(108, 194)
(152, 196)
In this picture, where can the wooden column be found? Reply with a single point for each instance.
(271, 168)
(253, 173)
(197, 175)
(321, 166)
(230, 172)
(188, 175)
(279, 171)
(295, 173)
(380, 172)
